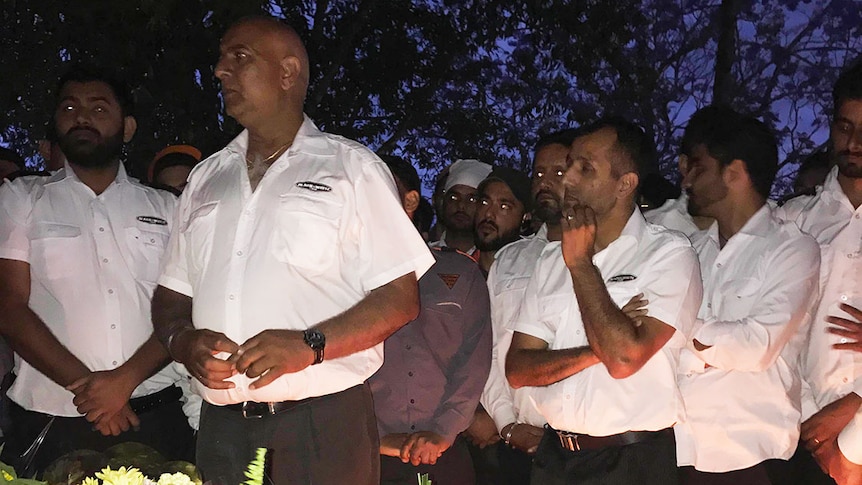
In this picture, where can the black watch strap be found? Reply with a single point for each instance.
(317, 341)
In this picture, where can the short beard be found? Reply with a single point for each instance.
(846, 169)
(499, 241)
(548, 215)
(89, 155)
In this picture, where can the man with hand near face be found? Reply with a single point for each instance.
(606, 382)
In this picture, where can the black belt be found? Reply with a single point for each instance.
(152, 401)
(252, 409)
(577, 442)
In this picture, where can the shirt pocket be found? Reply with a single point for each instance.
(199, 231)
(442, 327)
(56, 250)
(621, 293)
(738, 297)
(306, 232)
(146, 248)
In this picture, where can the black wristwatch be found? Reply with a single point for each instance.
(317, 341)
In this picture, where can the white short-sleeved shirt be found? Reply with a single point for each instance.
(673, 214)
(94, 261)
(507, 281)
(323, 228)
(837, 226)
(647, 259)
(758, 290)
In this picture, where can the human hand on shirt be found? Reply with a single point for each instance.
(825, 425)
(525, 437)
(636, 309)
(833, 463)
(579, 235)
(847, 328)
(482, 431)
(423, 448)
(197, 350)
(271, 354)
(102, 394)
(120, 422)
(390, 444)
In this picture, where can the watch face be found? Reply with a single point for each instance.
(315, 339)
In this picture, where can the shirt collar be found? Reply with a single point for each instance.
(758, 225)
(67, 173)
(308, 140)
(832, 189)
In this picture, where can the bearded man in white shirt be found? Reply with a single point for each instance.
(606, 382)
(293, 260)
(739, 378)
(517, 422)
(831, 366)
(79, 258)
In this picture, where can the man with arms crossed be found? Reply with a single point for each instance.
(606, 382)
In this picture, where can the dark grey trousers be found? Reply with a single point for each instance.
(329, 440)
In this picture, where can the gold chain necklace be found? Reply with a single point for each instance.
(250, 163)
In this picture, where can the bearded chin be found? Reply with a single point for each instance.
(498, 242)
(90, 155)
(847, 169)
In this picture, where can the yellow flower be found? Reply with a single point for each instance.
(132, 476)
(6, 476)
(175, 479)
(90, 481)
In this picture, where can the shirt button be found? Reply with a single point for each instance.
(113, 326)
(110, 291)
(843, 297)
(408, 347)
(105, 260)
(412, 401)
(412, 427)
(843, 341)
(239, 253)
(568, 396)
(709, 305)
(114, 362)
(718, 265)
(410, 373)
(850, 255)
(102, 229)
(844, 380)
(231, 297)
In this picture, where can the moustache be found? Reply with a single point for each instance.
(83, 128)
(848, 153)
(488, 222)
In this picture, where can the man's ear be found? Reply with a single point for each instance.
(291, 72)
(627, 184)
(411, 201)
(130, 125)
(735, 173)
(683, 164)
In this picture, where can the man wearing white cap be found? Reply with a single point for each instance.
(459, 205)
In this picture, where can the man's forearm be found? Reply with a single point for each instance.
(146, 361)
(29, 337)
(534, 367)
(611, 334)
(172, 313)
(380, 314)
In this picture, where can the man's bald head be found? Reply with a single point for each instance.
(284, 38)
(263, 70)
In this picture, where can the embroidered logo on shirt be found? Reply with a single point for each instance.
(449, 279)
(622, 277)
(153, 220)
(314, 186)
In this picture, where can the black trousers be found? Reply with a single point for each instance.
(515, 465)
(326, 441)
(164, 428)
(768, 472)
(651, 462)
(807, 469)
(454, 467)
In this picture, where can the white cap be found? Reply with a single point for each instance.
(467, 172)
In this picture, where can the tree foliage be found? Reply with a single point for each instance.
(437, 80)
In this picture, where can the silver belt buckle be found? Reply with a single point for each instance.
(569, 441)
(249, 413)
